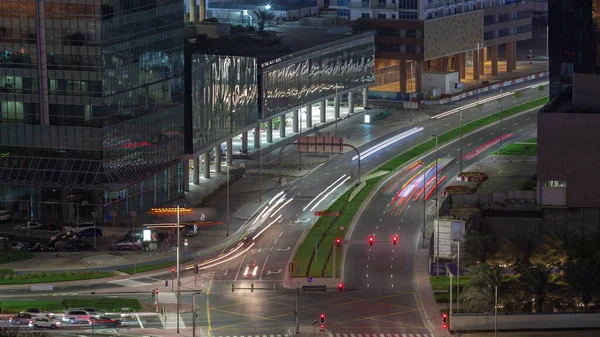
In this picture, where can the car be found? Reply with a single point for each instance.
(50, 227)
(251, 270)
(126, 244)
(104, 321)
(78, 245)
(190, 230)
(29, 225)
(34, 247)
(20, 319)
(36, 312)
(18, 246)
(93, 311)
(90, 233)
(62, 236)
(77, 315)
(80, 226)
(4, 215)
(43, 323)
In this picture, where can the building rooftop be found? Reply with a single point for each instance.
(277, 42)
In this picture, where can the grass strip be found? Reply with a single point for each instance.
(57, 305)
(443, 282)
(524, 148)
(152, 266)
(9, 255)
(48, 277)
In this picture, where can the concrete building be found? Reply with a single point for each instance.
(243, 85)
(91, 107)
(462, 36)
(242, 12)
(568, 137)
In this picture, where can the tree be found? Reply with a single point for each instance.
(517, 250)
(479, 293)
(536, 281)
(263, 16)
(559, 247)
(478, 248)
(583, 278)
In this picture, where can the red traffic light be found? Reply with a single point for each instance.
(340, 286)
(322, 326)
(445, 326)
(395, 239)
(172, 270)
(322, 316)
(371, 240)
(156, 290)
(338, 241)
(322, 319)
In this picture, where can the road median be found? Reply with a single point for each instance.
(313, 256)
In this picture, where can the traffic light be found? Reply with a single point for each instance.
(196, 269)
(338, 242)
(322, 320)
(156, 290)
(322, 326)
(371, 240)
(340, 286)
(153, 293)
(395, 239)
(172, 270)
(445, 320)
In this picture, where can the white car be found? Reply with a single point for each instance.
(43, 323)
(79, 226)
(251, 270)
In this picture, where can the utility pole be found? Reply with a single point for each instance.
(437, 211)
(228, 192)
(501, 99)
(194, 313)
(496, 311)
(424, 206)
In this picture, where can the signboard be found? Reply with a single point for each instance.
(147, 235)
(321, 144)
(446, 234)
(341, 228)
(310, 279)
(325, 213)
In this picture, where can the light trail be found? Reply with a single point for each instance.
(280, 208)
(486, 146)
(320, 194)
(471, 105)
(327, 195)
(435, 187)
(229, 259)
(388, 142)
(267, 227)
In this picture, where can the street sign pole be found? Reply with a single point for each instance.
(334, 246)
(297, 310)
(94, 214)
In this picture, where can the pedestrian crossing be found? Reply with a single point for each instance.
(379, 335)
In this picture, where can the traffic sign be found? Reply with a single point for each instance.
(185, 242)
(342, 228)
(310, 279)
(314, 321)
(125, 309)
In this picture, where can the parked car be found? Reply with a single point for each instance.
(80, 226)
(104, 321)
(29, 225)
(50, 227)
(43, 323)
(34, 247)
(18, 246)
(78, 245)
(77, 315)
(125, 244)
(62, 236)
(36, 312)
(19, 319)
(90, 233)
(190, 230)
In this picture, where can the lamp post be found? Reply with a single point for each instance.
(178, 279)
(501, 120)
(337, 103)
(133, 214)
(227, 220)
(194, 313)
(478, 68)
(437, 215)
(424, 206)
(461, 142)
(261, 173)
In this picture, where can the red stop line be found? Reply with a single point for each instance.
(486, 146)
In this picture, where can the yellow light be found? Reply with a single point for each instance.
(170, 210)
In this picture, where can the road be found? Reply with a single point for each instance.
(371, 309)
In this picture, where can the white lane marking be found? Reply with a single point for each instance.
(139, 321)
(367, 275)
(280, 234)
(481, 138)
(516, 124)
(263, 268)
(240, 267)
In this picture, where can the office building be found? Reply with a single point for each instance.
(464, 36)
(91, 106)
(568, 137)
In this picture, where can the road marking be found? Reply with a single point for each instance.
(139, 321)
(337, 167)
(367, 285)
(392, 285)
(280, 234)
(377, 227)
(263, 268)
(469, 144)
(516, 124)
(208, 304)
(275, 242)
(391, 266)
(528, 118)
(367, 275)
(240, 267)
(368, 257)
(458, 149)
(481, 138)
(367, 266)
(307, 186)
(391, 275)
(532, 124)
(491, 134)
(391, 258)
(521, 130)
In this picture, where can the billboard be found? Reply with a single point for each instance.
(449, 232)
(453, 34)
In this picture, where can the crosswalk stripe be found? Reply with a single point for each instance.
(359, 335)
(345, 335)
(403, 335)
(410, 335)
(352, 335)
(389, 335)
(396, 335)
(278, 335)
(381, 335)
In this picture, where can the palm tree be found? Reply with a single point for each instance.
(263, 16)
(478, 295)
(583, 278)
(478, 248)
(559, 247)
(518, 250)
(536, 281)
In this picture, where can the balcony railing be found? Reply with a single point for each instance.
(375, 5)
(359, 4)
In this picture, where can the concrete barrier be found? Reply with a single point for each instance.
(485, 322)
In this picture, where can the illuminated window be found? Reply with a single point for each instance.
(555, 183)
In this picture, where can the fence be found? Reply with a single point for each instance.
(485, 322)
(519, 199)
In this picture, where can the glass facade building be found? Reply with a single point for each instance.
(224, 97)
(300, 78)
(91, 106)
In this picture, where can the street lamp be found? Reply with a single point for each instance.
(336, 107)
(461, 142)
(501, 120)
(477, 67)
(194, 314)
(437, 211)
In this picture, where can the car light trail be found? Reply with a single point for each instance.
(275, 197)
(418, 195)
(328, 194)
(320, 194)
(388, 142)
(471, 105)
(281, 207)
(400, 174)
(229, 259)
(216, 259)
(435, 187)
(267, 227)
(486, 146)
